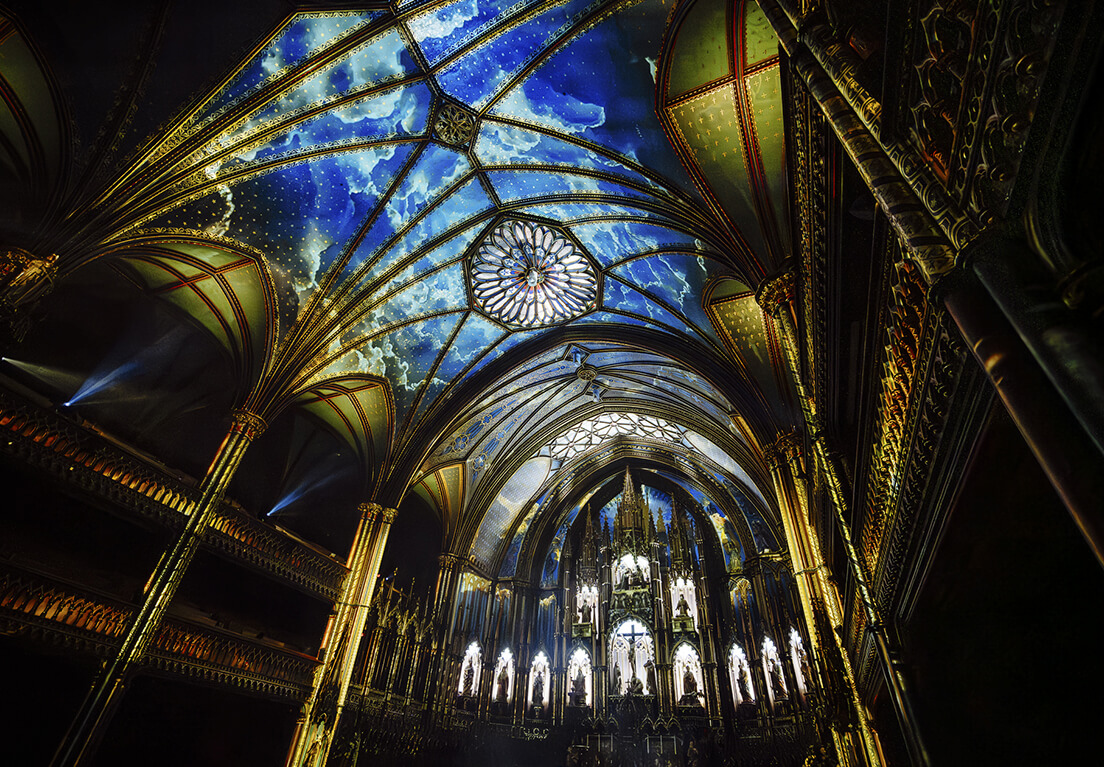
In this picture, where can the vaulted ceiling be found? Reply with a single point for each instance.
(445, 233)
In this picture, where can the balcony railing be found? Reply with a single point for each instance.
(67, 615)
(96, 465)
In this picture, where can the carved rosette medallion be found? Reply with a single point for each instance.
(530, 275)
(454, 125)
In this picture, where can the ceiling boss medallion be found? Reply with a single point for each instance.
(454, 125)
(530, 275)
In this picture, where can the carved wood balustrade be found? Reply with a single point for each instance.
(51, 610)
(94, 464)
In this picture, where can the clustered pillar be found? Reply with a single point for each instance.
(314, 732)
(107, 690)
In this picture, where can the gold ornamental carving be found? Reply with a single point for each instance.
(776, 293)
(250, 425)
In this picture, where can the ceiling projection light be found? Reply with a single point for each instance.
(529, 275)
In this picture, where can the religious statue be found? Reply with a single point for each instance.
(615, 683)
(584, 613)
(636, 687)
(741, 683)
(578, 688)
(538, 691)
(689, 689)
(689, 683)
(649, 670)
(503, 685)
(683, 608)
(778, 686)
(693, 757)
(469, 679)
(806, 672)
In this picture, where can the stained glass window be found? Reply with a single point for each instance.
(529, 275)
(594, 431)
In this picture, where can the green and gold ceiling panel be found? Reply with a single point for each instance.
(227, 293)
(710, 128)
(729, 130)
(751, 341)
(443, 490)
(764, 93)
(760, 42)
(706, 55)
(359, 409)
(29, 118)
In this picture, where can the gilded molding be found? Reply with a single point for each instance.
(775, 293)
(249, 425)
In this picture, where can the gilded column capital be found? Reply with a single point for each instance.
(369, 510)
(773, 458)
(789, 447)
(387, 514)
(776, 292)
(21, 270)
(250, 425)
(448, 558)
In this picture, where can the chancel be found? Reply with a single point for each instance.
(539, 384)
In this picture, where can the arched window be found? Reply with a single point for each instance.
(800, 660)
(580, 678)
(632, 660)
(772, 672)
(688, 676)
(739, 676)
(503, 691)
(539, 679)
(469, 671)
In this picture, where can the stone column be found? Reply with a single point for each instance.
(95, 712)
(820, 601)
(314, 735)
(776, 297)
(936, 234)
(442, 678)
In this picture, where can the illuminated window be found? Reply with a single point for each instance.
(594, 431)
(772, 671)
(800, 661)
(530, 275)
(632, 572)
(632, 660)
(688, 676)
(684, 603)
(586, 602)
